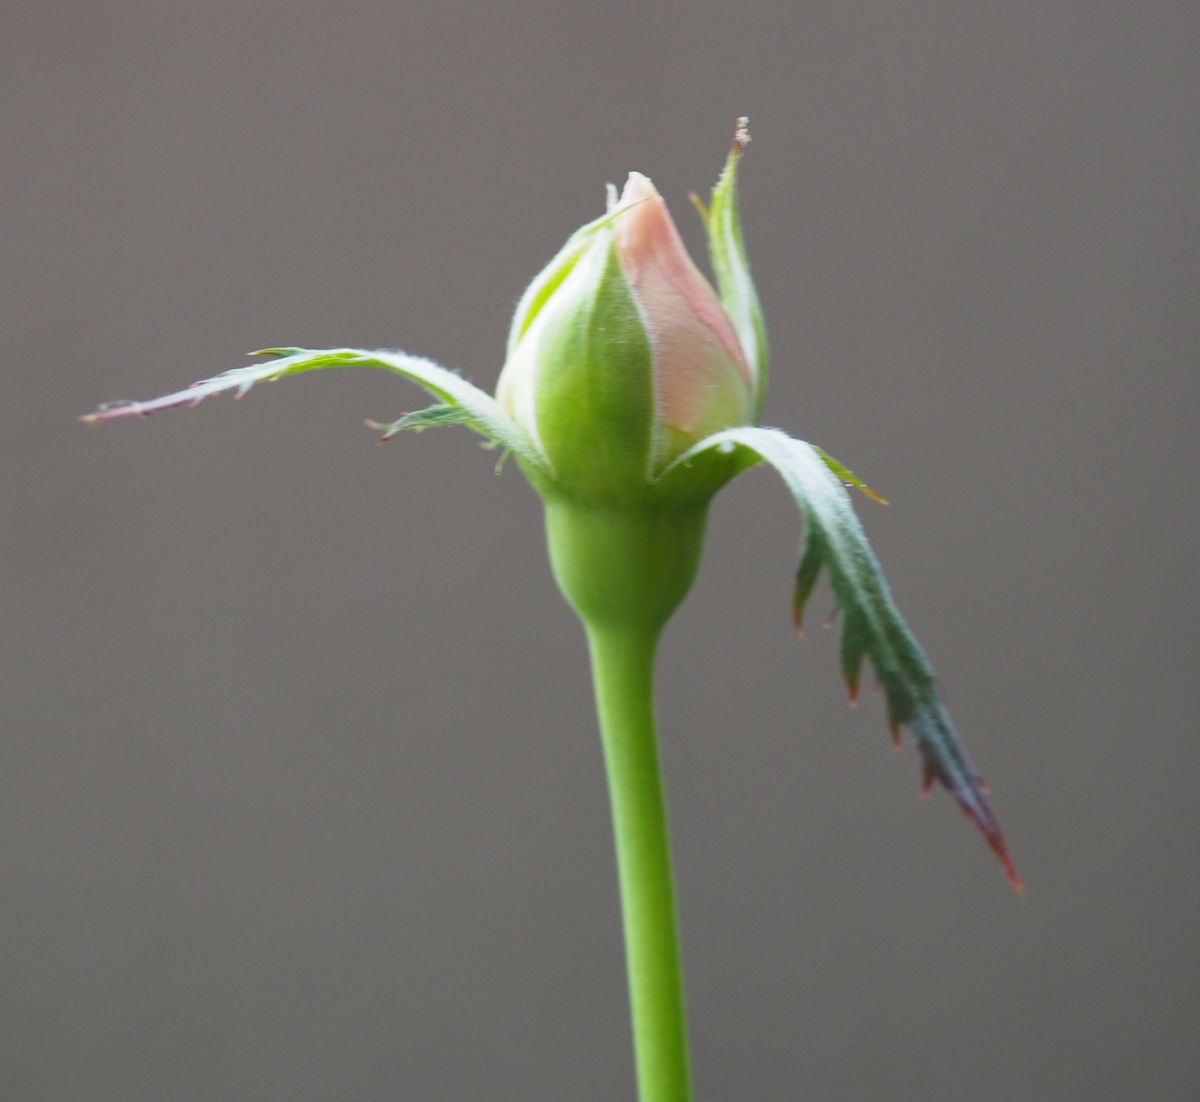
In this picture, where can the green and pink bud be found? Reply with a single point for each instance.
(621, 355)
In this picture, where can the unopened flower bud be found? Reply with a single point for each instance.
(621, 356)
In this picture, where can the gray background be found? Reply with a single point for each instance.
(300, 796)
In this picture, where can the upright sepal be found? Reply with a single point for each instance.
(727, 254)
(551, 277)
(872, 628)
(580, 380)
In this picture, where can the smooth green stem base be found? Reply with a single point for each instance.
(623, 672)
(624, 571)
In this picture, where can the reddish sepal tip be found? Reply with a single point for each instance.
(995, 840)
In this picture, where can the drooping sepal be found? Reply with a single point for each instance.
(812, 555)
(475, 408)
(872, 629)
(727, 254)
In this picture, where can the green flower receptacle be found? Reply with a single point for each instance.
(624, 567)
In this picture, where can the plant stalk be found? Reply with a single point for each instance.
(624, 570)
(623, 675)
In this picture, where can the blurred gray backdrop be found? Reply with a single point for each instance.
(299, 787)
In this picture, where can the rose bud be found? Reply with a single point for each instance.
(621, 356)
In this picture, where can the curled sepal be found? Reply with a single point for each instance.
(480, 410)
(870, 623)
(727, 254)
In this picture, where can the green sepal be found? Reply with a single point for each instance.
(727, 255)
(481, 411)
(812, 555)
(421, 419)
(594, 384)
(872, 627)
(848, 476)
(551, 277)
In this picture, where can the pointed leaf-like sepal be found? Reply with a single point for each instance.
(848, 476)
(429, 418)
(812, 554)
(854, 647)
(479, 410)
(727, 254)
(554, 274)
(872, 628)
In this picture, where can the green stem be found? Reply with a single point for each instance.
(624, 570)
(623, 675)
